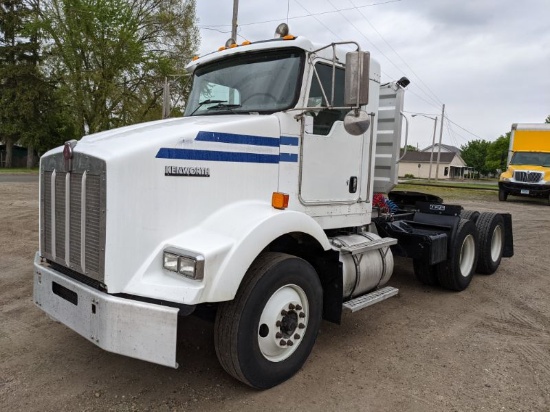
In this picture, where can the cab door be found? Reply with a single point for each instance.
(331, 160)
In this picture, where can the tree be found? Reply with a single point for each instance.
(497, 153)
(411, 148)
(20, 79)
(111, 56)
(474, 153)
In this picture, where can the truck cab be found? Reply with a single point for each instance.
(528, 166)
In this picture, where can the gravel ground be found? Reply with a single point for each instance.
(484, 349)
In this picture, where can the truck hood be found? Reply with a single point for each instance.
(153, 182)
(532, 168)
(173, 133)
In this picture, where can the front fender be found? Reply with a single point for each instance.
(252, 226)
(229, 240)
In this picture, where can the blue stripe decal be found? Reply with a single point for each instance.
(289, 157)
(237, 139)
(289, 141)
(238, 157)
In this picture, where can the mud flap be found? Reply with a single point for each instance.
(508, 235)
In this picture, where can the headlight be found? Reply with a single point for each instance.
(186, 263)
(170, 261)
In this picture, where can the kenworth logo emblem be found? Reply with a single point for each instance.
(439, 208)
(187, 171)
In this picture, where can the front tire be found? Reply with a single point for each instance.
(264, 336)
(502, 195)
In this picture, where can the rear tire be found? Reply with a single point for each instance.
(457, 271)
(264, 335)
(502, 195)
(490, 229)
(472, 215)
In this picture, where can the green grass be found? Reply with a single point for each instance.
(448, 193)
(486, 185)
(18, 171)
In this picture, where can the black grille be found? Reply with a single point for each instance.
(527, 177)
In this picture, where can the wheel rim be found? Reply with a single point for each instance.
(283, 323)
(496, 243)
(467, 255)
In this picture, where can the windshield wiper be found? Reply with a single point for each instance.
(208, 101)
(223, 105)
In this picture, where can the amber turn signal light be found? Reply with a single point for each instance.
(279, 200)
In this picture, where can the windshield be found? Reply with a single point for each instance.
(253, 83)
(531, 158)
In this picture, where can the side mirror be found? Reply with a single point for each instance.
(356, 122)
(356, 91)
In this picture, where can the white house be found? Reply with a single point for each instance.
(417, 164)
(444, 148)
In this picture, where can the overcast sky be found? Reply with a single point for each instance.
(487, 60)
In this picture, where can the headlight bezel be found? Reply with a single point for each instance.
(184, 263)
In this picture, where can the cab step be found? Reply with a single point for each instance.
(363, 301)
(367, 246)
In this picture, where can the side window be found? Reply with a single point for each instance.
(325, 118)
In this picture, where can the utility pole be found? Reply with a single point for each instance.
(439, 146)
(432, 151)
(234, 21)
(433, 141)
(166, 99)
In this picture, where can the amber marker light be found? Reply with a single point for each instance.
(289, 37)
(279, 200)
(195, 58)
(245, 43)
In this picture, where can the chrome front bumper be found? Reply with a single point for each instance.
(140, 330)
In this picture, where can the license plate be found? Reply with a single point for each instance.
(524, 191)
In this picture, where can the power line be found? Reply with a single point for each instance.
(319, 21)
(398, 55)
(433, 97)
(301, 17)
(364, 36)
(422, 98)
(455, 133)
(466, 130)
(436, 100)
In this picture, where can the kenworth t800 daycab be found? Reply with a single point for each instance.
(258, 202)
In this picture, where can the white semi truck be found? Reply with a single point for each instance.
(257, 205)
